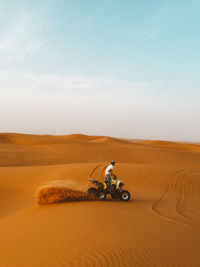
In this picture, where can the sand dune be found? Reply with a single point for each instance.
(172, 145)
(160, 226)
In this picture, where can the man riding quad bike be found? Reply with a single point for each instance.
(115, 189)
(109, 173)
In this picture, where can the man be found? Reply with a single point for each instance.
(109, 173)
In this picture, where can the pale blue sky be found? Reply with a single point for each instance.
(136, 62)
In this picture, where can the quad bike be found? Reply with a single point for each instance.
(116, 189)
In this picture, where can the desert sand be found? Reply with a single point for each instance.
(159, 226)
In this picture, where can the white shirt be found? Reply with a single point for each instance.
(110, 167)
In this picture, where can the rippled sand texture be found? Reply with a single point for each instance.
(160, 226)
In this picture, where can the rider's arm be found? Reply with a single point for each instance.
(111, 172)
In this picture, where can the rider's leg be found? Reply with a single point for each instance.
(108, 178)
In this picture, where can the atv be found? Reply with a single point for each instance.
(116, 189)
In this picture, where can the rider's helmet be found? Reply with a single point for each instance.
(113, 162)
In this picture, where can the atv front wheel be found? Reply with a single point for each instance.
(102, 196)
(125, 195)
(92, 191)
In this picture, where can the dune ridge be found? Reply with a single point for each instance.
(37, 150)
(193, 147)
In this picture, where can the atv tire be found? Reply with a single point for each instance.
(102, 195)
(125, 195)
(92, 191)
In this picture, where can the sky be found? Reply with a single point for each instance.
(126, 69)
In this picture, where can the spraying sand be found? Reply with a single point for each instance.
(61, 191)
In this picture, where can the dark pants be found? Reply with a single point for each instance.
(108, 178)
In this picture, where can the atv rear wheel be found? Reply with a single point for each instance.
(102, 195)
(92, 191)
(125, 195)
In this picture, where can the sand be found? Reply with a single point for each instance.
(159, 226)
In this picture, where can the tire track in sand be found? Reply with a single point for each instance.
(93, 170)
(178, 199)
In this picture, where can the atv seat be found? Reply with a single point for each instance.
(91, 179)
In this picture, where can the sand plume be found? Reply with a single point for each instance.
(61, 191)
